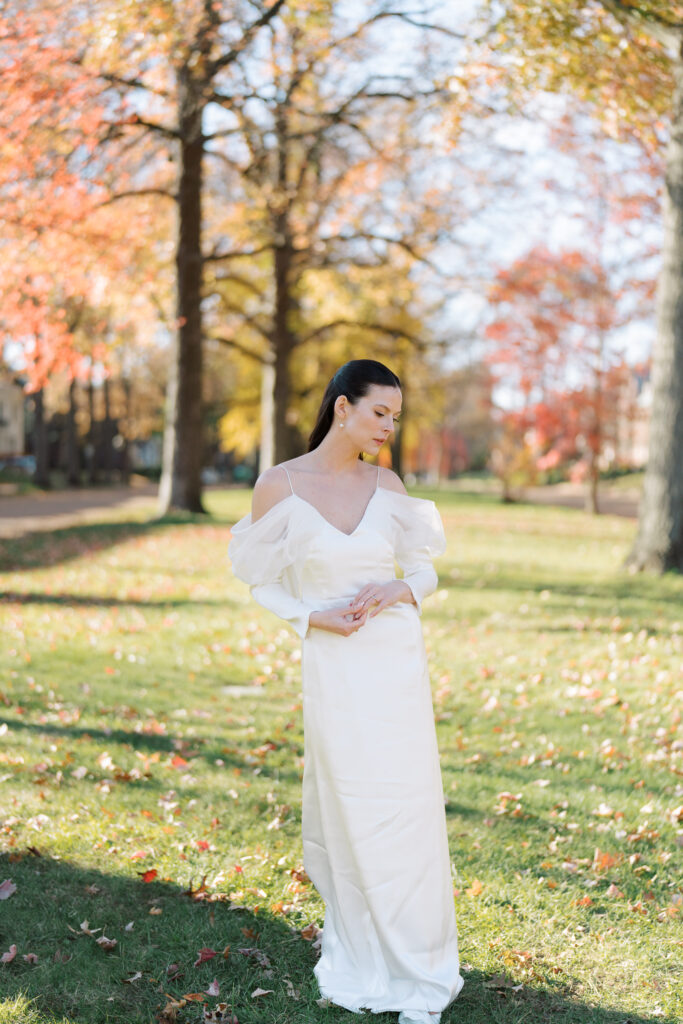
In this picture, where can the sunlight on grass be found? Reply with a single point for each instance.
(151, 759)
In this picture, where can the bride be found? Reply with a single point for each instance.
(320, 549)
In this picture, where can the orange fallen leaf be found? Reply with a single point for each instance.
(475, 889)
(148, 876)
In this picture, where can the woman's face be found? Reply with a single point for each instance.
(372, 420)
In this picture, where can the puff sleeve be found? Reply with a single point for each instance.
(263, 555)
(419, 539)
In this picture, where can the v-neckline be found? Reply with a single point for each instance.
(331, 525)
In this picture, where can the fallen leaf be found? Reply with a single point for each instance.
(292, 992)
(475, 889)
(148, 876)
(105, 943)
(203, 955)
(259, 956)
(129, 927)
(500, 981)
(155, 910)
(31, 958)
(134, 977)
(7, 889)
(194, 997)
(261, 992)
(213, 989)
(220, 1014)
(7, 957)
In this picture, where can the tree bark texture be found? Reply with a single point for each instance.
(183, 437)
(73, 461)
(659, 544)
(41, 476)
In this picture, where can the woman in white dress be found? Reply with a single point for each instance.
(320, 549)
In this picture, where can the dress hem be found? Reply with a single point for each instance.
(359, 1008)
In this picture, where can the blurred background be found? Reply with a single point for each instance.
(207, 207)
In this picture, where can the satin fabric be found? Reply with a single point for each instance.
(374, 830)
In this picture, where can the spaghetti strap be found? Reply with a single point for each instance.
(377, 480)
(289, 478)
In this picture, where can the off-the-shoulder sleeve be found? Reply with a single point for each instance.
(419, 539)
(263, 554)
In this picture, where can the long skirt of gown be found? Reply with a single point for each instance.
(374, 830)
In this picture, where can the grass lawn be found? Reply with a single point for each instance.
(151, 758)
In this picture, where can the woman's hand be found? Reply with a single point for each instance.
(375, 597)
(344, 620)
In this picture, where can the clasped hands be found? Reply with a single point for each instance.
(367, 603)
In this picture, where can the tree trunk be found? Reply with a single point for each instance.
(106, 435)
(73, 462)
(125, 448)
(659, 544)
(93, 435)
(181, 485)
(591, 500)
(41, 476)
(267, 445)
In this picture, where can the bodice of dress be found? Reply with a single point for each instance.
(296, 562)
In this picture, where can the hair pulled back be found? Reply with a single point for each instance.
(354, 379)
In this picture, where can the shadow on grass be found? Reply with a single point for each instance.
(96, 601)
(159, 930)
(195, 749)
(45, 548)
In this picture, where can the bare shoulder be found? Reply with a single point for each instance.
(271, 487)
(391, 481)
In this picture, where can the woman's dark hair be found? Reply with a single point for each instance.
(354, 379)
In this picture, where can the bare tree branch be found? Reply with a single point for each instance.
(670, 33)
(133, 83)
(227, 58)
(241, 280)
(214, 257)
(394, 332)
(231, 343)
(134, 193)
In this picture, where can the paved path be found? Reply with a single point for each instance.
(54, 510)
(610, 502)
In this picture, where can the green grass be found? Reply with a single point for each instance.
(153, 722)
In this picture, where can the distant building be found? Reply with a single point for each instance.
(633, 423)
(11, 418)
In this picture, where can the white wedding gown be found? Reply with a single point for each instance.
(374, 829)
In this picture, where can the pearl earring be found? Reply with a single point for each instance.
(341, 426)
